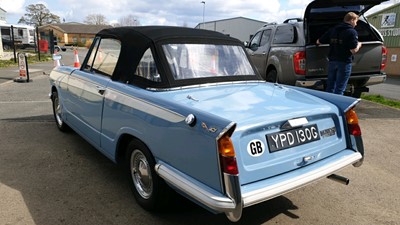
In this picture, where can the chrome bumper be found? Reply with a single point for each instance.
(370, 80)
(376, 80)
(238, 197)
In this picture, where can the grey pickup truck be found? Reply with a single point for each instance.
(287, 53)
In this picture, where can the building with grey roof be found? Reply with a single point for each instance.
(238, 27)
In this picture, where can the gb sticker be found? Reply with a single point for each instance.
(255, 148)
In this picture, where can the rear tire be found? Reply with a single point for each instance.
(57, 112)
(356, 94)
(272, 76)
(150, 191)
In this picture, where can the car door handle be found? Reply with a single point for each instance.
(100, 90)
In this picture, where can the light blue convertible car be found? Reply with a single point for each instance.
(184, 109)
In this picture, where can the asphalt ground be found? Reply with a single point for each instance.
(49, 178)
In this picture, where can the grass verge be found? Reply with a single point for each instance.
(31, 59)
(381, 100)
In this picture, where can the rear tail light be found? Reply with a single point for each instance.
(352, 123)
(227, 155)
(299, 61)
(384, 58)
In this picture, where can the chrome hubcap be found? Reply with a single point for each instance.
(57, 111)
(141, 174)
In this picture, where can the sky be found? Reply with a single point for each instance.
(168, 12)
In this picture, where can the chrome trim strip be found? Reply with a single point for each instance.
(279, 185)
(196, 190)
(225, 130)
(233, 191)
(352, 105)
(144, 106)
(206, 85)
(223, 180)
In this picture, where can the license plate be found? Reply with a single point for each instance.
(291, 138)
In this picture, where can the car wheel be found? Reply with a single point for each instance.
(356, 94)
(150, 191)
(57, 112)
(272, 76)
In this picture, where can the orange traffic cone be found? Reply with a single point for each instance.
(76, 61)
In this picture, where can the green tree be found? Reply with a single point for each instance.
(38, 15)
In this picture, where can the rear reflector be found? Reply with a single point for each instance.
(229, 165)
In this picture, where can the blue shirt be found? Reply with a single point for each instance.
(341, 39)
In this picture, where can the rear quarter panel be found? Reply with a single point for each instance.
(160, 124)
(281, 58)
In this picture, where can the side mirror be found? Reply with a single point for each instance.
(254, 47)
(246, 44)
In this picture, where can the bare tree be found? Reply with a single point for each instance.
(129, 20)
(95, 19)
(38, 15)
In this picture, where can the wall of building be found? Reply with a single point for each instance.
(387, 21)
(79, 38)
(393, 62)
(69, 39)
(3, 16)
(240, 28)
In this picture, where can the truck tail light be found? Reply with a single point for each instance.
(352, 123)
(299, 61)
(384, 58)
(227, 155)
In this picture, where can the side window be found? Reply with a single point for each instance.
(104, 56)
(89, 64)
(285, 34)
(265, 37)
(255, 42)
(147, 67)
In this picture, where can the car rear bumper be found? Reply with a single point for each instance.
(238, 197)
(366, 80)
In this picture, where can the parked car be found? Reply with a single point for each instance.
(59, 48)
(287, 53)
(184, 109)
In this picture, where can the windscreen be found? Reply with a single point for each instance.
(190, 61)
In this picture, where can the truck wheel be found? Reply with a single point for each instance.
(150, 191)
(57, 112)
(356, 94)
(272, 76)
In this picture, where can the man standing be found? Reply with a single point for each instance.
(343, 43)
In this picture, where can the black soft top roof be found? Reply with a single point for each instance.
(136, 40)
(159, 33)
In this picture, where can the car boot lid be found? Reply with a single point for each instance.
(251, 104)
(339, 6)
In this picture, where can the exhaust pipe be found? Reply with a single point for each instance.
(340, 179)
